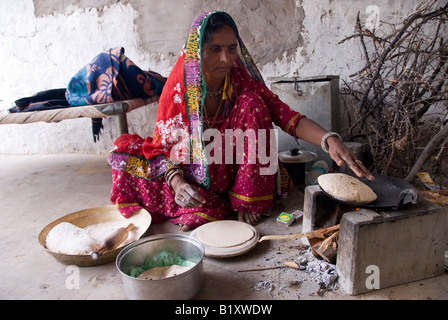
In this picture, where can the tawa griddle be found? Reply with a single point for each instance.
(392, 193)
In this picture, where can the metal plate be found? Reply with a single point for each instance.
(392, 193)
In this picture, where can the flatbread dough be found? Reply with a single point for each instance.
(163, 272)
(225, 234)
(67, 238)
(346, 188)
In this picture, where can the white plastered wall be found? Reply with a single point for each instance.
(43, 43)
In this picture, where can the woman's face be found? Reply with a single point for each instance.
(219, 55)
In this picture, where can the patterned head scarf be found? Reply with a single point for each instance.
(179, 124)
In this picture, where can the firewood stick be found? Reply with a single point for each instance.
(261, 269)
(328, 248)
(320, 233)
(290, 264)
(293, 236)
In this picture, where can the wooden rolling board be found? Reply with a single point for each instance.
(219, 252)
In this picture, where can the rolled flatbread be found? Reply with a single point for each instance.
(346, 188)
(225, 234)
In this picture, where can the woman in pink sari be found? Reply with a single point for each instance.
(213, 150)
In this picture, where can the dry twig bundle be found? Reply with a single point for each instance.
(402, 92)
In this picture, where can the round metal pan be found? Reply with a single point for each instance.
(392, 193)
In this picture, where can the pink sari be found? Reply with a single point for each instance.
(138, 165)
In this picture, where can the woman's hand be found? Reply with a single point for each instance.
(185, 194)
(340, 154)
(310, 131)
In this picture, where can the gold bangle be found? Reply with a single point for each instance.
(175, 173)
(169, 171)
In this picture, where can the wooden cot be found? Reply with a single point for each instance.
(118, 109)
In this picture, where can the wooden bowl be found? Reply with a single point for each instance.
(140, 218)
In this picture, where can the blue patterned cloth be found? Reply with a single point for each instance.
(111, 76)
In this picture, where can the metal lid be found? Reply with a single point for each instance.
(299, 157)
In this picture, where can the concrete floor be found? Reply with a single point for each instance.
(35, 190)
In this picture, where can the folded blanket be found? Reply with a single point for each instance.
(111, 76)
(43, 100)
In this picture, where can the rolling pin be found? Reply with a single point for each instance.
(113, 240)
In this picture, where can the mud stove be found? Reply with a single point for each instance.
(380, 248)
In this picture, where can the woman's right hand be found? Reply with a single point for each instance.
(185, 194)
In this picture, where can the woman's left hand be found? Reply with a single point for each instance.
(341, 154)
(186, 194)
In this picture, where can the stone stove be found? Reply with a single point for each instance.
(379, 249)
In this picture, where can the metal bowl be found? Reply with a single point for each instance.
(180, 287)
